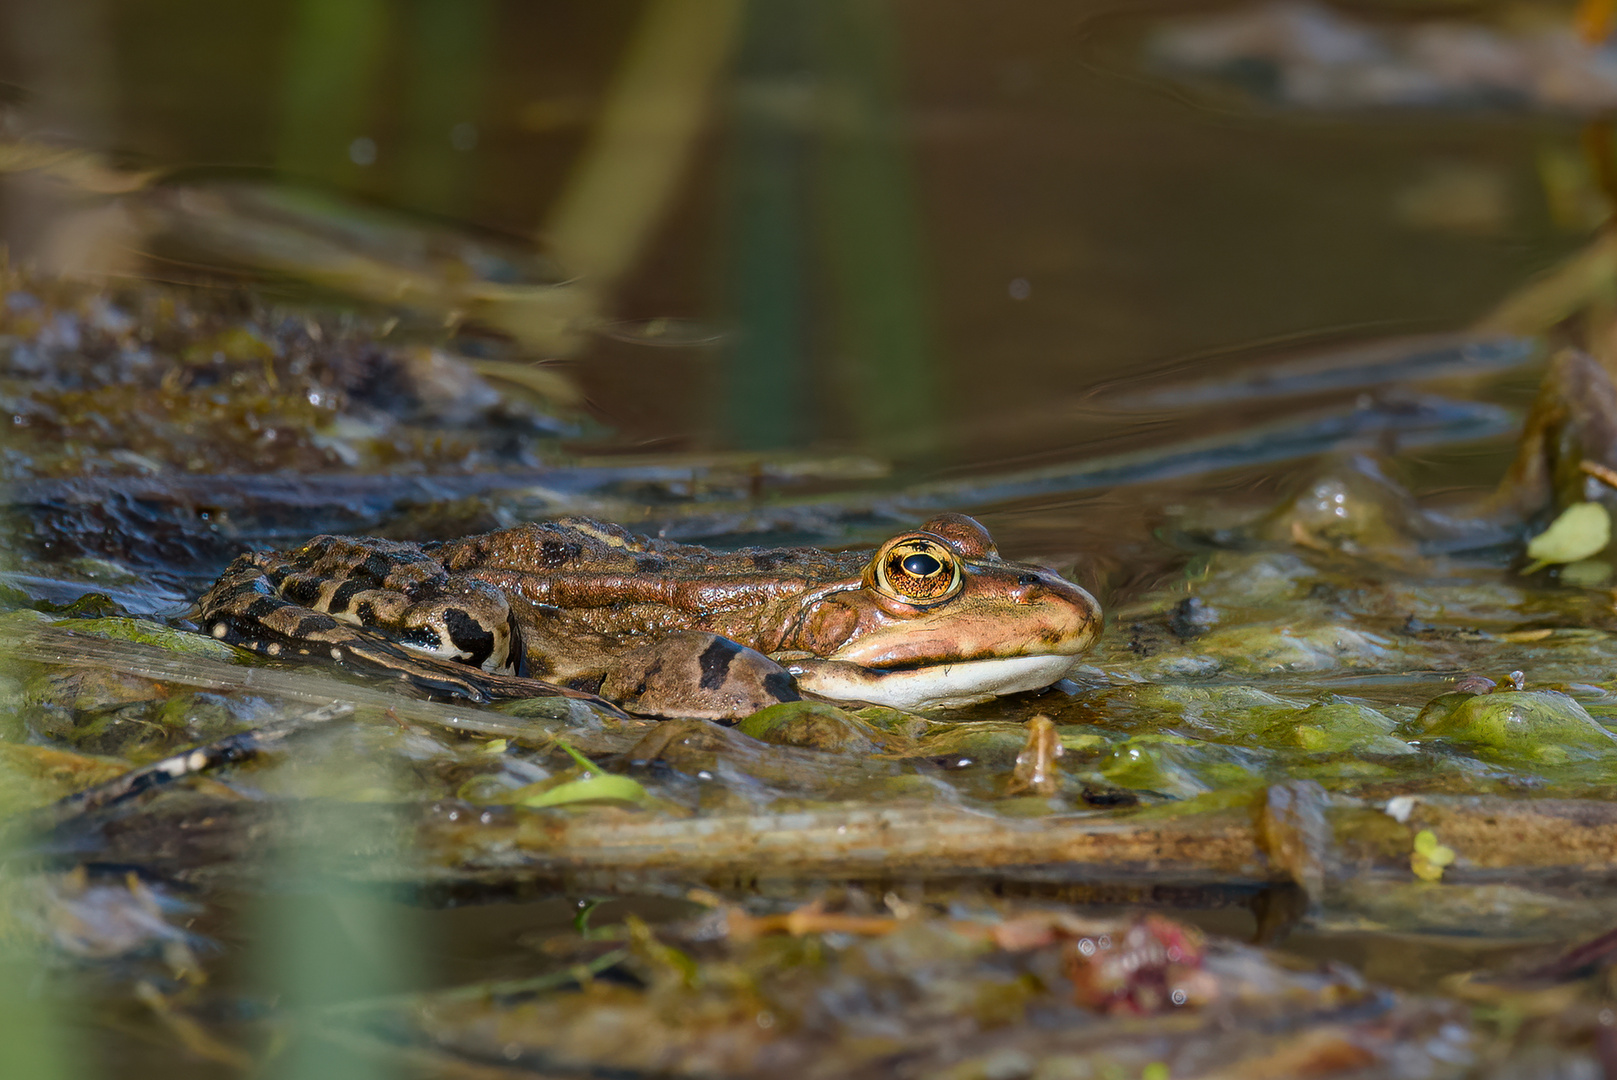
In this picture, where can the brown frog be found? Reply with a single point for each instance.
(933, 619)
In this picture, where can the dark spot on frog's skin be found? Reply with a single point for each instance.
(314, 624)
(422, 637)
(646, 676)
(650, 564)
(254, 584)
(345, 594)
(376, 567)
(779, 685)
(773, 560)
(715, 662)
(303, 591)
(516, 658)
(469, 635)
(554, 553)
(366, 612)
(427, 587)
(263, 606)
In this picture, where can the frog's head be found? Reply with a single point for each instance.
(938, 619)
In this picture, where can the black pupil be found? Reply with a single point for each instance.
(921, 565)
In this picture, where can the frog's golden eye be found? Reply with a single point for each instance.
(918, 570)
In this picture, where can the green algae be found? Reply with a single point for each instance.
(1336, 725)
(990, 742)
(146, 632)
(1518, 726)
(1178, 767)
(813, 725)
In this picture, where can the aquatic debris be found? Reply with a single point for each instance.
(1038, 991)
(810, 918)
(1036, 768)
(592, 787)
(150, 379)
(595, 784)
(1335, 725)
(1429, 858)
(1581, 530)
(1155, 964)
(189, 1031)
(97, 919)
(1131, 967)
(1543, 726)
(189, 762)
(1308, 55)
(813, 725)
(1035, 765)
(147, 632)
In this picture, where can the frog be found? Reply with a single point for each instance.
(933, 618)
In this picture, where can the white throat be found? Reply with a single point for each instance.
(941, 686)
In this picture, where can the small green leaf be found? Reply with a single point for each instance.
(602, 787)
(1582, 530)
(494, 746)
(583, 762)
(596, 785)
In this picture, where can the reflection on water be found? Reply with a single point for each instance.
(909, 221)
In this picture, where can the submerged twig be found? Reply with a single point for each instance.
(1604, 473)
(229, 750)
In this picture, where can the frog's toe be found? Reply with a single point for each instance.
(697, 675)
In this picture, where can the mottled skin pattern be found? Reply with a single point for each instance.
(663, 628)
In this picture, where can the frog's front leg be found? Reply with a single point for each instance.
(697, 675)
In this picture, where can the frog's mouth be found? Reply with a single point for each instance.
(946, 685)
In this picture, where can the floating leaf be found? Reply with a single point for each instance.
(1580, 531)
(605, 787)
(596, 785)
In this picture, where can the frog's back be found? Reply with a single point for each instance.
(580, 563)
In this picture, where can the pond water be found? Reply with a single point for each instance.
(1162, 309)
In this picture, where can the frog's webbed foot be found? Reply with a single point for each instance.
(697, 675)
(1573, 419)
